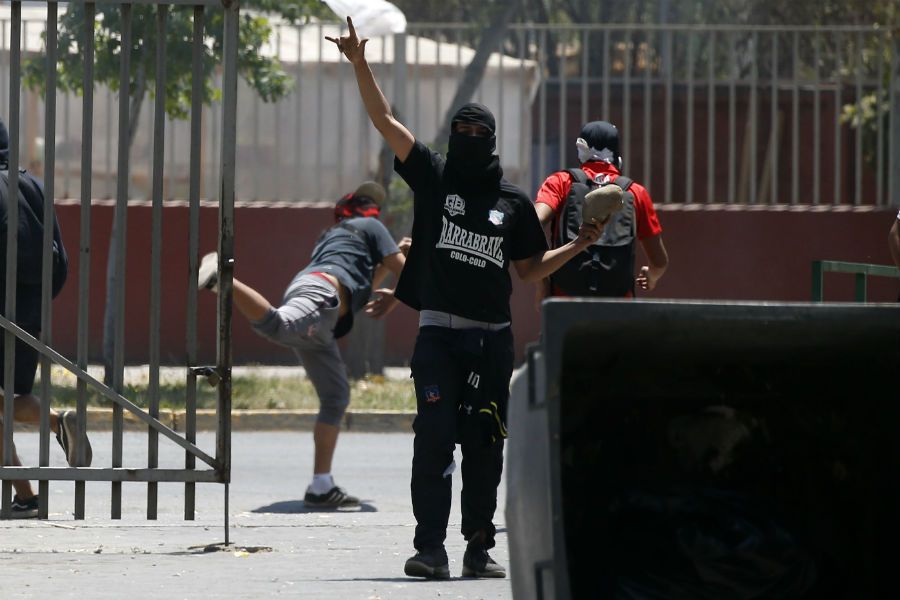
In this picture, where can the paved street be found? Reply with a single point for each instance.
(280, 549)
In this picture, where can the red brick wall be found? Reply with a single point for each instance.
(719, 254)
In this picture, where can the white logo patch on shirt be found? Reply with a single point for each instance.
(454, 205)
(495, 217)
(475, 246)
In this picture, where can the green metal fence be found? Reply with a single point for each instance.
(861, 270)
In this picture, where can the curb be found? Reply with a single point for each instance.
(374, 421)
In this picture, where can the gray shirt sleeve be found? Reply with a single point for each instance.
(384, 243)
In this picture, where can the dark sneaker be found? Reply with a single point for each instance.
(68, 439)
(208, 273)
(24, 509)
(478, 563)
(334, 498)
(431, 564)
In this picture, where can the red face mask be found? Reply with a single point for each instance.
(355, 206)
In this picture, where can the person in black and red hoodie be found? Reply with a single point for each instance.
(29, 283)
(601, 163)
(469, 226)
(348, 261)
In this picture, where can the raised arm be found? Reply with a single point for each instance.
(397, 136)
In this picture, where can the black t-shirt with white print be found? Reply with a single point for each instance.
(459, 260)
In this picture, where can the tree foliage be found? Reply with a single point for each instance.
(263, 73)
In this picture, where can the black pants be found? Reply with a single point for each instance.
(457, 373)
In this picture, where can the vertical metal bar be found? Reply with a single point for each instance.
(795, 132)
(319, 111)
(276, 108)
(339, 126)
(585, 37)
(626, 95)
(459, 68)
(84, 282)
(860, 65)
(298, 118)
(256, 166)
(215, 121)
(754, 109)
(817, 120)
(5, 80)
(47, 266)
(838, 98)
(400, 78)
(689, 151)
(563, 109)
(818, 281)
(732, 119)
(879, 123)
(190, 429)
(437, 79)
(121, 214)
(109, 186)
(606, 76)
(524, 123)
(648, 114)
(711, 121)
(226, 241)
(773, 132)
(12, 227)
(894, 133)
(159, 133)
(67, 193)
(132, 180)
(860, 287)
(542, 103)
(670, 88)
(500, 94)
(170, 165)
(417, 88)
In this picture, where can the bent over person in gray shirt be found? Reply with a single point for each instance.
(348, 261)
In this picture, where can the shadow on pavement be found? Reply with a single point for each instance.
(299, 507)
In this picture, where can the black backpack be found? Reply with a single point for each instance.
(31, 233)
(605, 268)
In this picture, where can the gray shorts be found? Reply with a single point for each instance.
(305, 324)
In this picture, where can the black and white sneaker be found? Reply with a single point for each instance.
(208, 273)
(336, 497)
(478, 563)
(68, 439)
(431, 564)
(24, 509)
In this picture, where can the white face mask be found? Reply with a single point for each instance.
(587, 154)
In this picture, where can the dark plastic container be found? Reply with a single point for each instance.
(698, 450)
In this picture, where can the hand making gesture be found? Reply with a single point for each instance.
(350, 45)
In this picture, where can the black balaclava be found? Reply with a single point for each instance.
(471, 162)
(603, 137)
(4, 144)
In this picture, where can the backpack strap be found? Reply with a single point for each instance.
(578, 176)
(623, 182)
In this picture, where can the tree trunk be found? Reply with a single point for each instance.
(489, 42)
(110, 310)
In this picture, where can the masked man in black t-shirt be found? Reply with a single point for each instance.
(469, 224)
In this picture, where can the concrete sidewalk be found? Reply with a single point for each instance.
(280, 548)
